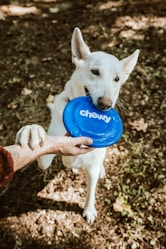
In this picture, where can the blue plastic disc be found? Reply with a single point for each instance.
(82, 118)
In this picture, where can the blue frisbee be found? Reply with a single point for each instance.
(82, 118)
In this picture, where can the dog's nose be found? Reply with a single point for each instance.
(104, 103)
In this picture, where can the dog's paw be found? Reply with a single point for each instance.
(90, 214)
(33, 135)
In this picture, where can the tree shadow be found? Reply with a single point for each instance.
(25, 241)
(22, 194)
(42, 34)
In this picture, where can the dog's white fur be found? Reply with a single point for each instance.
(32, 135)
(103, 75)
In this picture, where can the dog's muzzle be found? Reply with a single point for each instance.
(104, 103)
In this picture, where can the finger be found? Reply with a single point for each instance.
(84, 150)
(85, 141)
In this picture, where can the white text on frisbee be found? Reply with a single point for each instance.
(89, 114)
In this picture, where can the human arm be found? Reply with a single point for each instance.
(31, 143)
(6, 167)
(61, 145)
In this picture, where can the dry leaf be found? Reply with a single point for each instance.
(54, 9)
(12, 105)
(1, 127)
(15, 10)
(45, 59)
(50, 98)
(121, 206)
(108, 184)
(25, 91)
(139, 125)
(2, 15)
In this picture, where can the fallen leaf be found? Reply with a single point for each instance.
(108, 184)
(2, 15)
(14, 80)
(50, 98)
(45, 59)
(108, 201)
(25, 91)
(15, 10)
(1, 127)
(139, 125)
(12, 105)
(54, 9)
(121, 206)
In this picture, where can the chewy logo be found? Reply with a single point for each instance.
(89, 114)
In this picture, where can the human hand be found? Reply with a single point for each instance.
(35, 136)
(68, 146)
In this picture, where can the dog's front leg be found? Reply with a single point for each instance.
(92, 178)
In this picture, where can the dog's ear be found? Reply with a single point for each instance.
(129, 63)
(80, 50)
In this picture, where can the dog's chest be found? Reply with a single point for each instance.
(86, 161)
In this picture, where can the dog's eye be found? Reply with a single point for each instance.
(95, 71)
(116, 79)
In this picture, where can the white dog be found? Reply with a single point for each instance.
(101, 75)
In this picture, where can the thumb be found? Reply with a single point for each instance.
(85, 140)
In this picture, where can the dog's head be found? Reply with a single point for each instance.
(99, 74)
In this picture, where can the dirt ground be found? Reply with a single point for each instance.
(42, 210)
